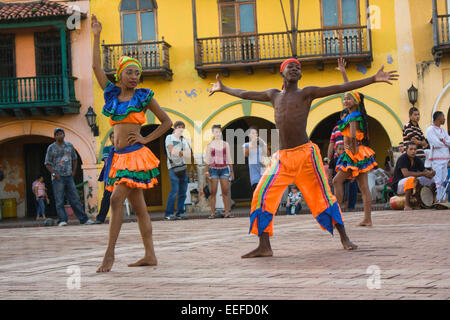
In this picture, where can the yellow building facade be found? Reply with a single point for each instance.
(198, 39)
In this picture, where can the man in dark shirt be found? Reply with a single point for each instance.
(409, 170)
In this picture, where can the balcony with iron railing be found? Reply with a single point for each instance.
(44, 95)
(153, 55)
(267, 50)
(441, 34)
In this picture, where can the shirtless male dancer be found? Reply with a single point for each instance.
(298, 160)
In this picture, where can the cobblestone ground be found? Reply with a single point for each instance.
(200, 259)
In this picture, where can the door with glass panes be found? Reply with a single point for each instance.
(239, 42)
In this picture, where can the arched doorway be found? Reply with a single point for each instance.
(241, 187)
(23, 159)
(379, 139)
(155, 197)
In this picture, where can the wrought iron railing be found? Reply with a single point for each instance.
(38, 89)
(441, 28)
(314, 43)
(153, 55)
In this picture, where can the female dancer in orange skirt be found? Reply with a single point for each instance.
(357, 159)
(131, 166)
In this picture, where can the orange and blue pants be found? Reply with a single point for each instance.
(303, 166)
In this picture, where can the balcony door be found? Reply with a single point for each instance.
(49, 84)
(138, 29)
(339, 19)
(238, 20)
(8, 85)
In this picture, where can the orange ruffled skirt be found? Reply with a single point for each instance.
(137, 169)
(363, 161)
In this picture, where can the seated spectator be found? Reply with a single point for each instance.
(409, 170)
(294, 201)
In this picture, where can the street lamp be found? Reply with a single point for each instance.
(412, 94)
(90, 117)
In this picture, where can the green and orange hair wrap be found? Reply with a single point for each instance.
(124, 62)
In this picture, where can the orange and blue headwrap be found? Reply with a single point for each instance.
(125, 62)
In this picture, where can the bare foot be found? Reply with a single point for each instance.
(107, 263)
(407, 209)
(146, 261)
(348, 245)
(258, 252)
(364, 223)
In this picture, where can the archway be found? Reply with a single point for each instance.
(23, 160)
(241, 187)
(379, 139)
(41, 132)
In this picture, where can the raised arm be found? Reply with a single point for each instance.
(380, 76)
(96, 61)
(243, 94)
(341, 67)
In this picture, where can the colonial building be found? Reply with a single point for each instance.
(45, 83)
(183, 45)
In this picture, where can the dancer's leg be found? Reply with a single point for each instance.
(363, 184)
(338, 183)
(323, 204)
(265, 203)
(137, 201)
(118, 197)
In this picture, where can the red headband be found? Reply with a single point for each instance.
(287, 61)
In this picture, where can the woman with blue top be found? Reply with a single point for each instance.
(131, 166)
(255, 149)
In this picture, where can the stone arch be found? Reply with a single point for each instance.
(382, 113)
(14, 129)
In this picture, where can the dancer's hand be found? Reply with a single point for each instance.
(341, 64)
(135, 137)
(96, 25)
(382, 76)
(217, 87)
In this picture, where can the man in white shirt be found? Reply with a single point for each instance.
(178, 153)
(439, 153)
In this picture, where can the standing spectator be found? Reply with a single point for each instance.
(255, 149)
(178, 151)
(294, 201)
(219, 167)
(439, 153)
(40, 193)
(61, 161)
(106, 199)
(413, 133)
(336, 137)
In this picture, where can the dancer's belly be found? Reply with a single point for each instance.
(122, 132)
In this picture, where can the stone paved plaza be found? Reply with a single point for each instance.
(200, 259)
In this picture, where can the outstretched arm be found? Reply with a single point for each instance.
(243, 94)
(380, 76)
(341, 67)
(96, 61)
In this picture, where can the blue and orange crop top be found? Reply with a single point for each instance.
(344, 125)
(131, 111)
